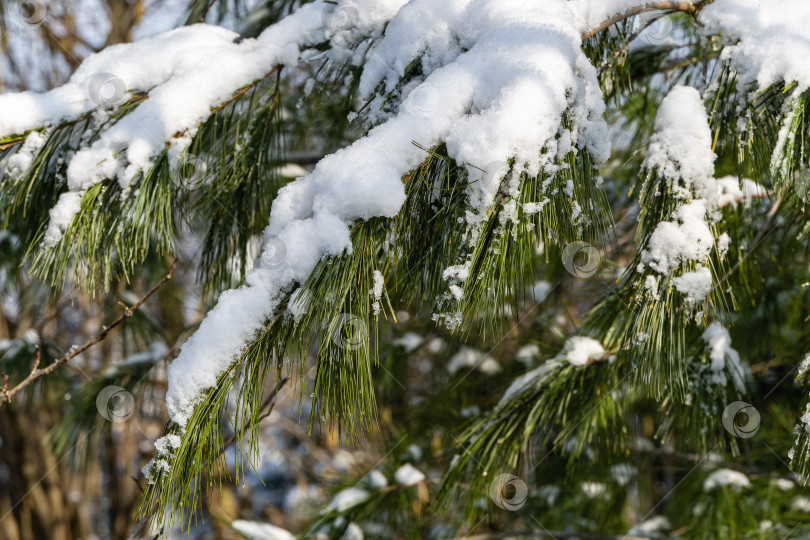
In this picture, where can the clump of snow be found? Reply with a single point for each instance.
(592, 490)
(686, 239)
(651, 285)
(766, 44)
(408, 475)
(623, 473)
(695, 285)
(724, 359)
(655, 527)
(540, 290)
(681, 147)
(534, 376)
(528, 353)
(377, 480)
(377, 291)
(410, 341)
(19, 162)
(346, 499)
(730, 193)
(784, 484)
(580, 350)
(255, 530)
(469, 358)
(726, 478)
(681, 152)
(801, 504)
(165, 446)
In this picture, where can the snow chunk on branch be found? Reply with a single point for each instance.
(684, 240)
(681, 147)
(580, 350)
(724, 359)
(726, 478)
(767, 41)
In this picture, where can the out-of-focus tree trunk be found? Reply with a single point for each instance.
(36, 497)
(124, 15)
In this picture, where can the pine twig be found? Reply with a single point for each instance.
(670, 5)
(6, 395)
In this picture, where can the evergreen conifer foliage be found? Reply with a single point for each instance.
(485, 128)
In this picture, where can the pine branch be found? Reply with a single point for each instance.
(6, 395)
(684, 6)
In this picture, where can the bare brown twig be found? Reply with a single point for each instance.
(662, 5)
(6, 395)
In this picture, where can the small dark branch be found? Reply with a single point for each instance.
(672, 5)
(626, 46)
(36, 360)
(206, 12)
(137, 483)
(127, 310)
(264, 411)
(7, 395)
(746, 198)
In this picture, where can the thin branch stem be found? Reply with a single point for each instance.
(7, 395)
(684, 6)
